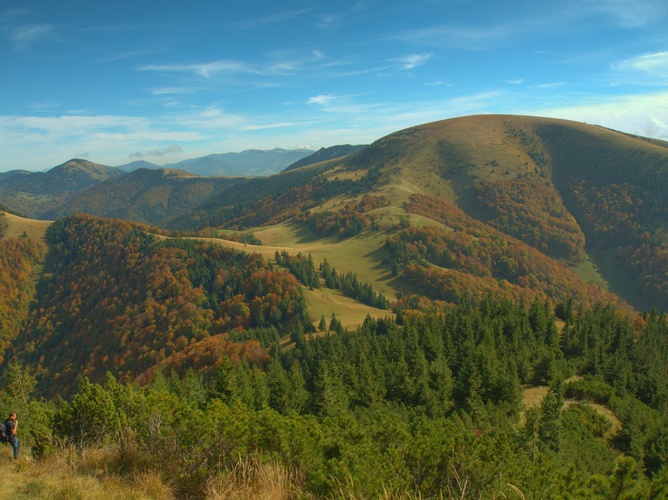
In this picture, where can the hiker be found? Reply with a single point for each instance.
(12, 425)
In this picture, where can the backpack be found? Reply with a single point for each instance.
(4, 438)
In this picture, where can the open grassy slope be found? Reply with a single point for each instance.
(20, 226)
(451, 160)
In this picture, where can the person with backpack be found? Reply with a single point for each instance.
(11, 427)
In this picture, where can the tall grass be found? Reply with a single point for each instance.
(253, 478)
(110, 473)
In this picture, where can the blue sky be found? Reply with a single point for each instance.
(166, 80)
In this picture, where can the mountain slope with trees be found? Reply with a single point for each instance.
(35, 193)
(147, 196)
(480, 239)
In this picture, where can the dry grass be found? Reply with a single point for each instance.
(100, 473)
(70, 475)
(350, 312)
(533, 396)
(253, 478)
(33, 229)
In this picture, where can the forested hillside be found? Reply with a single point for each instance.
(120, 300)
(431, 407)
(34, 193)
(147, 196)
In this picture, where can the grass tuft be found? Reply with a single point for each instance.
(252, 478)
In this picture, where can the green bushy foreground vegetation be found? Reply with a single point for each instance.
(430, 408)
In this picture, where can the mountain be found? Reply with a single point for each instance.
(148, 196)
(10, 173)
(409, 318)
(35, 193)
(518, 208)
(546, 183)
(136, 165)
(252, 162)
(324, 154)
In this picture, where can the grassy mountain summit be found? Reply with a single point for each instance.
(548, 183)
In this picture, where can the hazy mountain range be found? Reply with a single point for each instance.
(54, 193)
(251, 162)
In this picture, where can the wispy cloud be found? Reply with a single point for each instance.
(413, 60)
(541, 86)
(278, 17)
(169, 150)
(655, 64)
(341, 104)
(445, 35)
(267, 126)
(206, 70)
(171, 91)
(324, 21)
(630, 13)
(23, 37)
(321, 100)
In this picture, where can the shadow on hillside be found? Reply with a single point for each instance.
(376, 256)
(619, 282)
(399, 284)
(302, 235)
(44, 274)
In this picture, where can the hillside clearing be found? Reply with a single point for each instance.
(325, 302)
(18, 227)
(534, 395)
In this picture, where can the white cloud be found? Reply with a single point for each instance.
(641, 114)
(655, 64)
(413, 60)
(321, 100)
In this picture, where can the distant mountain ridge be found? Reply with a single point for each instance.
(56, 192)
(251, 162)
(145, 195)
(34, 193)
(324, 154)
(136, 165)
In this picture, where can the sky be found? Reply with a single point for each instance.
(162, 81)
